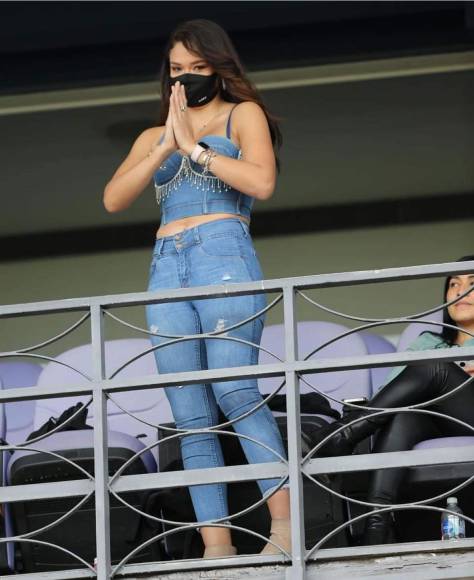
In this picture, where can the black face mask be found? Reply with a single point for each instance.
(200, 89)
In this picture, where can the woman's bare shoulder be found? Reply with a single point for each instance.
(248, 114)
(248, 108)
(249, 121)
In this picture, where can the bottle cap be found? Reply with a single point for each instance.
(453, 500)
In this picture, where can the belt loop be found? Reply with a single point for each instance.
(159, 246)
(197, 237)
(237, 205)
(244, 227)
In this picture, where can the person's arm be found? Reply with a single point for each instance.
(253, 174)
(136, 171)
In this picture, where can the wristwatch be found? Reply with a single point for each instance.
(198, 150)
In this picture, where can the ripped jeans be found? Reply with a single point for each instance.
(218, 252)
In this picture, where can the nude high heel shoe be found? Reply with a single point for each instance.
(280, 533)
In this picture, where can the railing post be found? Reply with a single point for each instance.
(101, 459)
(297, 571)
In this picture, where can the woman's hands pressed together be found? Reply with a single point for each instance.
(181, 123)
(169, 139)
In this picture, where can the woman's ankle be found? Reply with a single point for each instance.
(217, 541)
(220, 551)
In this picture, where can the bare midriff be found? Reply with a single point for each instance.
(178, 226)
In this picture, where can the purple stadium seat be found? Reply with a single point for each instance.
(20, 414)
(149, 405)
(442, 442)
(414, 329)
(311, 334)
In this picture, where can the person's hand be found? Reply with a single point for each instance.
(180, 118)
(169, 140)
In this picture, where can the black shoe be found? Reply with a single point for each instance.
(378, 529)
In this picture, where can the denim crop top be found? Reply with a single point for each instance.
(184, 191)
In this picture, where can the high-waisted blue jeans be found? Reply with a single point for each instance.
(218, 252)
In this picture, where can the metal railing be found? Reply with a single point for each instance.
(292, 369)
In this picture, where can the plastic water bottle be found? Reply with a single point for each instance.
(453, 527)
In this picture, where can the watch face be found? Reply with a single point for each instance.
(203, 145)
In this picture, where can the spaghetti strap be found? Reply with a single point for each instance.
(227, 130)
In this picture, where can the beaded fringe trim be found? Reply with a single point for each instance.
(202, 182)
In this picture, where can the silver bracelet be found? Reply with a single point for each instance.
(210, 154)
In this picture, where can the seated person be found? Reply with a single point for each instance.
(409, 386)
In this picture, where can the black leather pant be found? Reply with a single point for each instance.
(417, 384)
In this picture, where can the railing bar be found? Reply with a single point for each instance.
(101, 459)
(172, 479)
(53, 575)
(40, 491)
(37, 393)
(235, 373)
(388, 460)
(298, 550)
(303, 367)
(301, 282)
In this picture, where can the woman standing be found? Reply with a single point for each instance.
(211, 157)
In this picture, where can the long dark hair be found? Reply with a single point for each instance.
(210, 41)
(449, 334)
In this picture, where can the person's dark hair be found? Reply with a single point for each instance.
(449, 334)
(210, 41)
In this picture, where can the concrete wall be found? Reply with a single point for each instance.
(296, 255)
